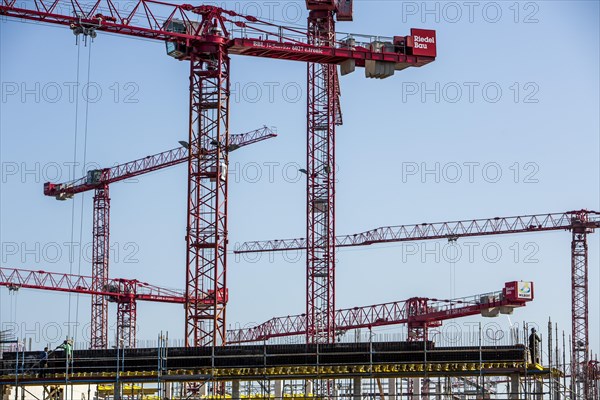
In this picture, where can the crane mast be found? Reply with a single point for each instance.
(582, 376)
(206, 234)
(100, 266)
(322, 106)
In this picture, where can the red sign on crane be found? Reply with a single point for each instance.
(423, 42)
(519, 291)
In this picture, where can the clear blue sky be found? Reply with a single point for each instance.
(541, 133)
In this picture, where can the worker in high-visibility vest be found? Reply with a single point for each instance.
(67, 346)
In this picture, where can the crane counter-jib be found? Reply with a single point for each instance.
(327, 55)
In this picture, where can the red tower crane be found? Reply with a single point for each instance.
(199, 34)
(323, 107)
(419, 313)
(580, 223)
(124, 292)
(99, 181)
(324, 113)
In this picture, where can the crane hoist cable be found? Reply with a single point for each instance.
(75, 148)
(84, 162)
(71, 335)
(13, 292)
(453, 257)
(73, 177)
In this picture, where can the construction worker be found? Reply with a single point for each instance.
(534, 346)
(67, 346)
(44, 361)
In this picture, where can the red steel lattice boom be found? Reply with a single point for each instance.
(124, 292)
(419, 313)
